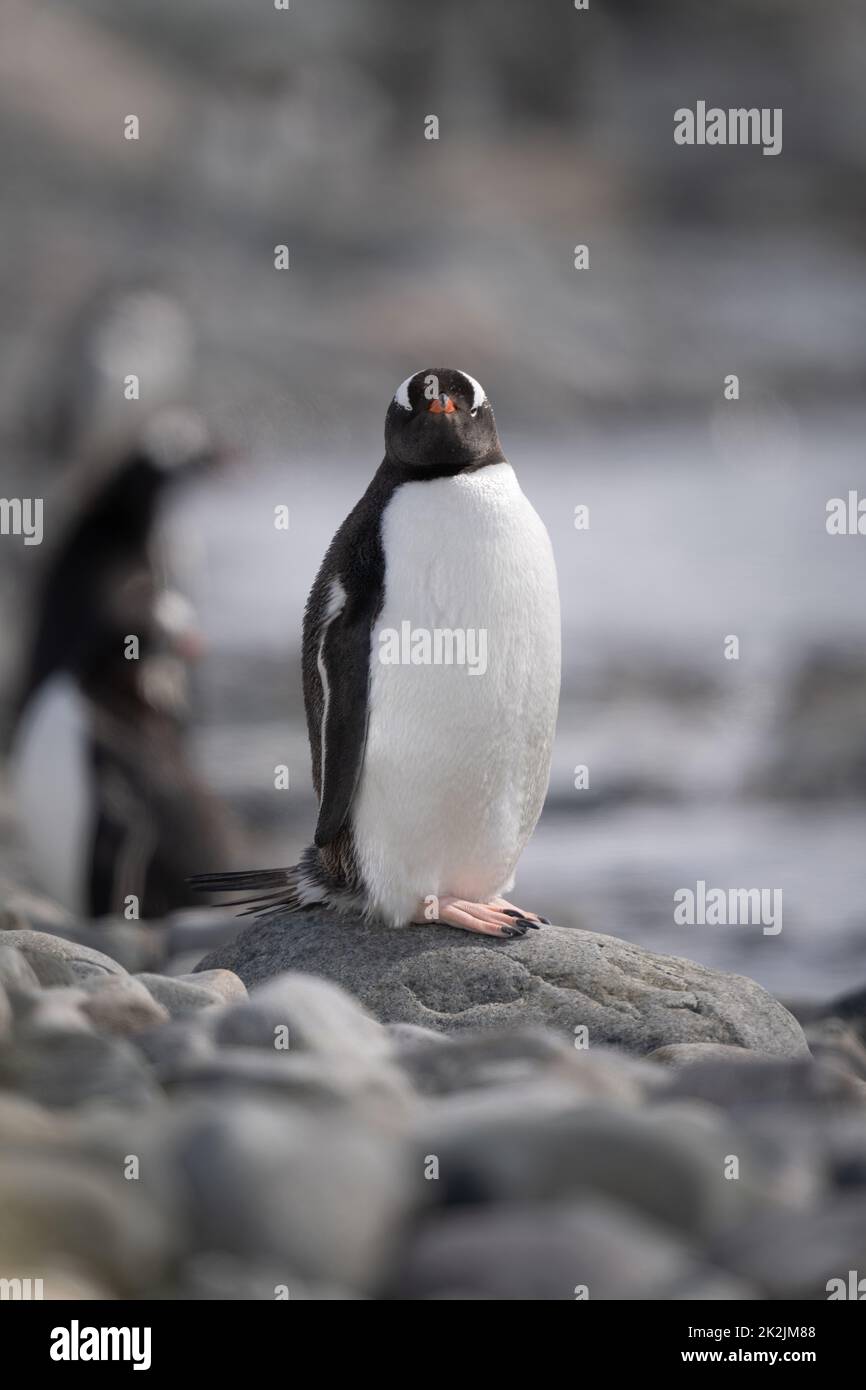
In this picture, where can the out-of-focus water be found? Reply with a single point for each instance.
(622, 866)
(698, 531)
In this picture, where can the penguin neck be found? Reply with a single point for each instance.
(396, 471)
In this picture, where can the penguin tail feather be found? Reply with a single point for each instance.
(272, 889)
(310, 883)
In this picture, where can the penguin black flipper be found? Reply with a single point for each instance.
(341, 611)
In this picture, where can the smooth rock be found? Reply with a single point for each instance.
(794, 1255)
(180, 997)
(766, 1081)
(133, 945)
(15, 970)
(22, 1121)
(312, 1015)
(683, 1054)
(176, 1045)
(672, 1168)
(316, 1080)
(511, 1057)
(560, 977)
(115, 1004)
(411, 1033)
(224, 983)
(562, 1251)
(139, 1147)
(214, 1275)
(53, 1204)
(55, 1010)
(54, 972)
(121, 1005)
(322, 1198)
(67, 1069)
(813, 1154)
(56, 961)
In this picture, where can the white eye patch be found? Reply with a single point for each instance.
(401, 396)
(478, 396)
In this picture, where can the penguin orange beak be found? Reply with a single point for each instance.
(442, 405)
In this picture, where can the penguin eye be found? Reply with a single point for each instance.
(474, 411)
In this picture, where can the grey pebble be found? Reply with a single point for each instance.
(15, 970)
(310, 1014)
(180, 997)
(593, 1250)
(56, 961)
(320, 1196)
(65, 1069)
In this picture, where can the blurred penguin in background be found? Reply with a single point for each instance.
(119, 329)
(80, 421)
(114, 817)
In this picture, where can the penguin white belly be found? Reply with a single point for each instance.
(457, 759)
(52, 784)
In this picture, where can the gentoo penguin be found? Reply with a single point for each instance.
(107, 544)
(108, 804)
(430, 774)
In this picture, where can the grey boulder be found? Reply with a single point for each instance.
(563, 978)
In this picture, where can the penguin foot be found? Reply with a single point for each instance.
(511, 911)
(486, 918)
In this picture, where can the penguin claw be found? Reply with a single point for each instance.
(519, 917)
(532, 918)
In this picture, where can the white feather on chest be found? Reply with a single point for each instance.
(457, 764)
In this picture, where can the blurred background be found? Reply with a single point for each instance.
(707, 517)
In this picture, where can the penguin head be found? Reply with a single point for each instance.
(440, 422)
(176, 441)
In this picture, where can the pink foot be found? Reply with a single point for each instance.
(486, 918)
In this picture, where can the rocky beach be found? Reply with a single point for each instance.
(321, 1109)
